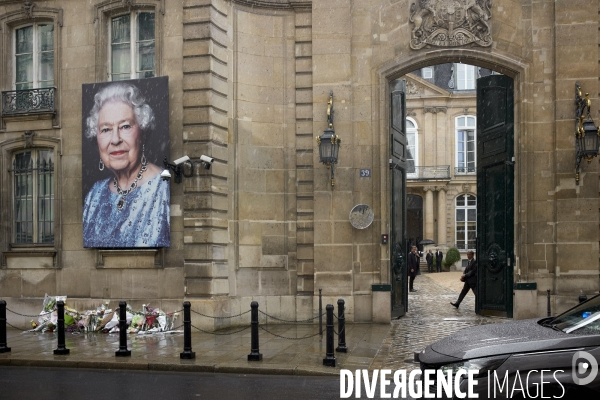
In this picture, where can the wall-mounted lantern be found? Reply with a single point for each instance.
(586, 132)
(329, 142)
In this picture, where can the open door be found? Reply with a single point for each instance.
(398, 149)
(495, 195)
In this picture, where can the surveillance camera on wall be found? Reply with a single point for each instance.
(206, 161)
(165, 175)
(181, 160)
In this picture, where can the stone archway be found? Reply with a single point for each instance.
(396, 68)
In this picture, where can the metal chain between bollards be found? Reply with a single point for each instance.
(341, 316)
(231, 316)
(29, 316)
(19, 329)
(289, 338)
(220, 334)
(293, 322)
(342, 331)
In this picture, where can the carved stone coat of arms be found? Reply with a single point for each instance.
(450, 23)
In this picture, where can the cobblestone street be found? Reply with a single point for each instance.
(430, 317)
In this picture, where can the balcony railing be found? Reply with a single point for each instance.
(465, 170)
(426, 173)
(28, 101)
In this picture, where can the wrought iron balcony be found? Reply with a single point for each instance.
(28, 101)
(428, 172)
(465, 170)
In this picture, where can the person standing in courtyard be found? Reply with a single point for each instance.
(469, 278)
(429, 259)
(413, 268)
(438, 259)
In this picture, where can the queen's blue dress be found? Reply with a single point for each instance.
(144, 220)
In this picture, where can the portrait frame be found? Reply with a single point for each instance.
(156, 145)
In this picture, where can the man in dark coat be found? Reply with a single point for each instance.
(413, 267)
(438, 259)
(469, 278)
(429, 259)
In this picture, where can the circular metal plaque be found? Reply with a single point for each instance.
(361, 216)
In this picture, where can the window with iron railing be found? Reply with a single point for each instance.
(428, 172)
(33, 75)
(34, 56)
(33, 197)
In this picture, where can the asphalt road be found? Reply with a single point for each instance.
(29, 383)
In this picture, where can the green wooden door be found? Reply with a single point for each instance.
(398, 152)
(495, 195)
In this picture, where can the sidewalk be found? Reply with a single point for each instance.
(370, 346)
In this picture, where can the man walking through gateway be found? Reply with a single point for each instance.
(413, 267)
(469, 278)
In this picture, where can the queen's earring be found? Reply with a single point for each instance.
(144, 154)
(101, 165)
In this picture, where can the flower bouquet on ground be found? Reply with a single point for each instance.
(103, 319)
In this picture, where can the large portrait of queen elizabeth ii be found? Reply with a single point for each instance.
(125, 137)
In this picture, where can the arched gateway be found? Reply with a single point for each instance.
(495, 176)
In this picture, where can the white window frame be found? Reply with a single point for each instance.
(133, 42)
(36, 53)
(429, 70)
(470, 125)
(466, 208)
(462, 76)
(415, 154)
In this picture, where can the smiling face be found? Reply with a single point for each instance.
(119, 137)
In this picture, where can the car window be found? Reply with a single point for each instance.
(582, 319)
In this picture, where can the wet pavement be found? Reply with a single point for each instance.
(370, 346)
(430, 317)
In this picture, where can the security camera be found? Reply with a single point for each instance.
(181, 160)
(207, 159)
(165, 175)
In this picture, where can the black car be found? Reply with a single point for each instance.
(553, 357)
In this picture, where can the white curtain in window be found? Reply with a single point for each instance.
(465, 77)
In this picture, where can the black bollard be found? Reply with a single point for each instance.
(187, 354)
(341, 328)
(122, 352)
(329, 359)
(3, 348)
(60, 329)
(582, 297)
(549, 310)
(320, 314)
(254, 350)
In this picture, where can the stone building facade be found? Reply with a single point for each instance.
(249, 83)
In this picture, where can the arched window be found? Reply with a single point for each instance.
(412, 137)
(466, 221)
(465, 145)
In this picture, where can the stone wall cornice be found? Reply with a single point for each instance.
(276, 4)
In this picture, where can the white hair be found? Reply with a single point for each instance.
(126, 93)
